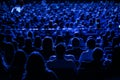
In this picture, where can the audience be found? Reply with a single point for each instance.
(63, 40)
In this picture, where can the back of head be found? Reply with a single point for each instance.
(9, 52)
(91, 43)
(28, 42)
(47, 43)
(60, 50)
(59, 39)
(112, 33)
(19, 58)
(37, 42)
(97, 54)
(35, 63)
(20, 39)
(76, 34)
(115, 42)
(30, 34)
(75, 42)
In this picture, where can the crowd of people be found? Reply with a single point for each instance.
(60, 41)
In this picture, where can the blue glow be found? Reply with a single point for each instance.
(73, 37)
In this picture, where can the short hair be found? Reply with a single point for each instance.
(47, 43)
(37, 42)
(97, 53)
(91, 43)
(35, 62)
(75, 42)
(28, 42)
(60, 49)
(19, 58)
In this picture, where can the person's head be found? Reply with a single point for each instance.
(19, 58)
(76, 34)
(9, 52)
(28, 42)
(21, 40)
(35, 63)
(107, 33)
(75, 42)
(97, 54)
(91, 43)
(112, 33)
(30, 34)
(37, 42)
(60, 50)
(115, 41)
(47, 43)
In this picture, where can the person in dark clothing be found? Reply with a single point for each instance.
(3, 69)
(62, 66)
(17, 67)
(36, 69)
(47, 47)
(76, 50)
(94, 69)
(28, 47)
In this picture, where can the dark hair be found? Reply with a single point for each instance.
(9, 52)
(37, 42)
(30, 34)
(75, 42)
(19, 58)
(97, 53)
(60, 49)
(91, 43)
(21, 40)
(35, 63)
(47, 43)
(28, 42)
(115, 42)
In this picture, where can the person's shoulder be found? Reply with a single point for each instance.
(84, 52)
(50, 63)
(51, 75)
(70, 62)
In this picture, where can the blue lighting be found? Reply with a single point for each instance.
(59, 39)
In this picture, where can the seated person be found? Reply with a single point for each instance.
(87, 55)
(95, 67)
(36, 69)
(62, 66)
